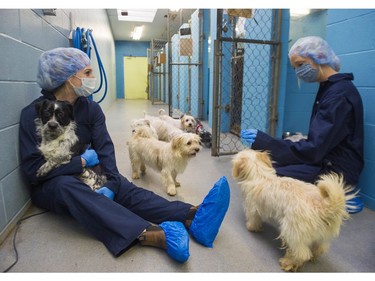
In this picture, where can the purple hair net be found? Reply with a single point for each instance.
(317, 49)
(57, 65)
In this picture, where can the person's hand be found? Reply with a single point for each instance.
(106, 192)
(90, 157)
(249, 135)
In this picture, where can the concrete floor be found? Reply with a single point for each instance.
(51, 243)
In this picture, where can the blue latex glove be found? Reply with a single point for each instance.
(249, 135)
(90, 157)
(106, 192)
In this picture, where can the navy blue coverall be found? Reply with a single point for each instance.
(335, 137)
(116, 223)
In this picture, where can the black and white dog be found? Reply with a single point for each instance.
(56, 126)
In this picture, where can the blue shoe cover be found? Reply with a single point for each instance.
(354, 205)
(177, 240)
(210, 213)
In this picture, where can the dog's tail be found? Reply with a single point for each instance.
(162, 112)
(335, 194)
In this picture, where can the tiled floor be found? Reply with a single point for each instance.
(50, 243)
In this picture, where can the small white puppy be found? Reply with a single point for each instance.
(168, 158)
(309, 216)
(186, 122)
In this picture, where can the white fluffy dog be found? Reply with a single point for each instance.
(186, 122)
(164, 130)
(308, 215)
(144, 122)
(168, 158)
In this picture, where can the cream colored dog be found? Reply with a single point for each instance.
(168, 158)
(143, 122)
(164, 130)
(308, 216)
(186, 122)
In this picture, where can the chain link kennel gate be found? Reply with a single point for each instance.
(246, 70)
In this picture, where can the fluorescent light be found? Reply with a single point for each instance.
(137, 32)
(299, 12)
(141, 15)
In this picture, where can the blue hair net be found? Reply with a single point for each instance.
(57, 65)
(317, 49)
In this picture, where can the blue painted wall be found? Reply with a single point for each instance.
(127, 49)
(283, 74)
(351, 34)
(299, 95)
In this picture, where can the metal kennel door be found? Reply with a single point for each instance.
(185, 32)
(246, 70)
(157, 70)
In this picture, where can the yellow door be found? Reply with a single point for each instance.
(135, 71)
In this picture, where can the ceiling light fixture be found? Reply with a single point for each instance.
(137, 32)
(141, 15)
(299, 12)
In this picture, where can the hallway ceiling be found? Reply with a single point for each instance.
(122, 30)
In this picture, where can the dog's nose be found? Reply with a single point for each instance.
(52, 125)
(197, 149)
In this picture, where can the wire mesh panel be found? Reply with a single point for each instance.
(245, 76)
(184, 64)
(157, 67)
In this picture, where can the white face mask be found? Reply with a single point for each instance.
(87, 88)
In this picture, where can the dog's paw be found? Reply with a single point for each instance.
(254, 228)
(43, 170)
(143, 169)
(177, 184)
(288, 265)
(171, 190)
(39, 174)
(135, 175)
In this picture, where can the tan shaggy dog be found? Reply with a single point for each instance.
(168, 158)
(308, 216)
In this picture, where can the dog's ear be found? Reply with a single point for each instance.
(240, 169)
(40, 105)
(147, 122)
(265, 158)
(176, 141)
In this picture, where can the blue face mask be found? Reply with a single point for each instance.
(307, 73)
